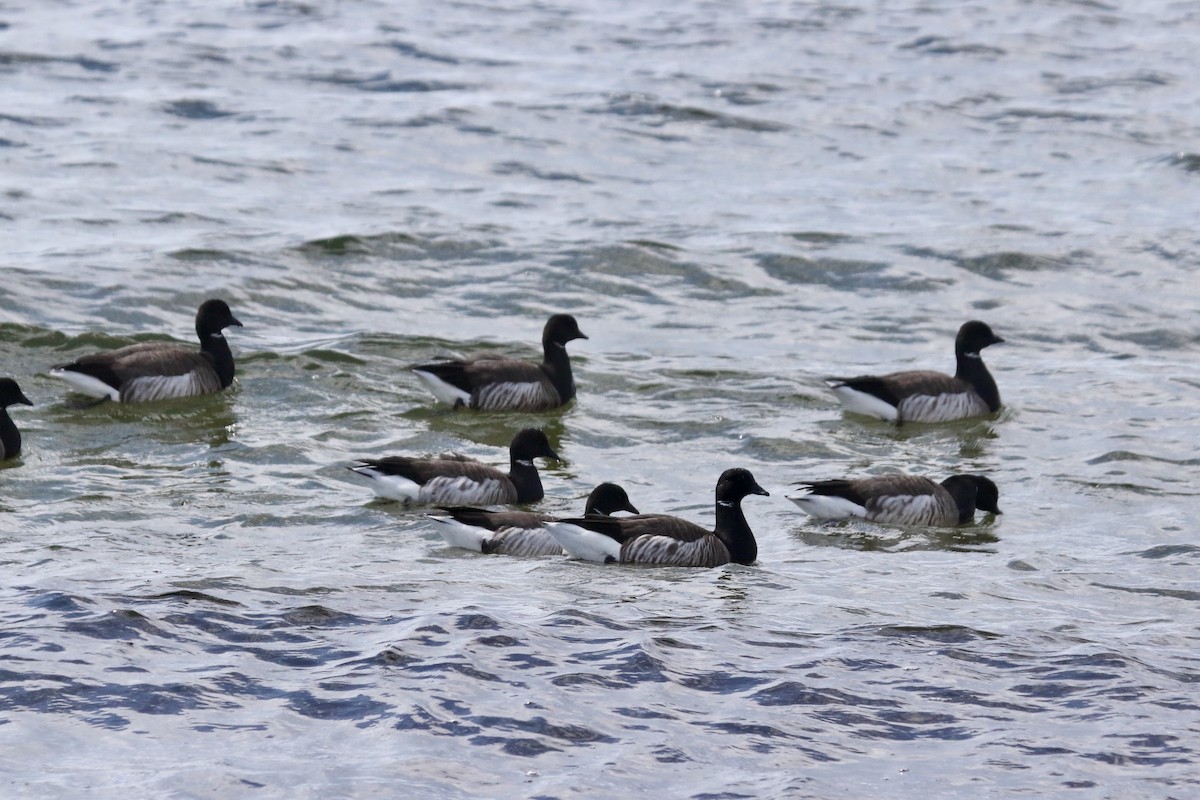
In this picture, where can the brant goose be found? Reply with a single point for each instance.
(520, 533)
(927, 396)
(900, 499)
(666, 540)
(494, 383)
(10, 437)
(150, 371)
(452, 479)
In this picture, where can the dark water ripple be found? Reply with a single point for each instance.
(384, 82)
(657, 113)
(1189, 162)
(196, 109)
(459, 660)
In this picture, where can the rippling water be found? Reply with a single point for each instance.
(735, 200)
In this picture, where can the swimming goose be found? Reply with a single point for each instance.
(10, 437)
(900, 499)
(666, 540)
(494, 383)
(150, 371)
(457, 480)
(924, 395)
(520, 533)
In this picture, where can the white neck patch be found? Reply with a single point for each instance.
(524, 463)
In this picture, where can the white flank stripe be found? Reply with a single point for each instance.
(921, 509)
(826, 507)
(462, 491)
(707, 551)
(523, 396)
(665, 550)
(525, 542)
(942, 407)
(457, 534)
(582, 543)
(160, 387)
(393, 487)
(86, 384)
(446, 393)
(864, 403)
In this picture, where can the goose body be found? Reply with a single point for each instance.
(491, 383)
(519, 533)
(10, 437)
(666, 540)
(900, 499)
(455, 480)
(925, 395)
(151, 371)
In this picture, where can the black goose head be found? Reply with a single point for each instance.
(213, 317)
(11, 394)
(987, 496)
(607, 498)
(529, 444)
(973, 336)
(971, 492)
(735, 484)
(560, 329)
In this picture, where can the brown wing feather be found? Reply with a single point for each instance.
(495, 520)
(622, 529)
(422, 470)
(871, 488)
(914, 382)
(503, 370)
(156, 358)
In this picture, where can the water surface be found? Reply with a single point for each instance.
(735, 201)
